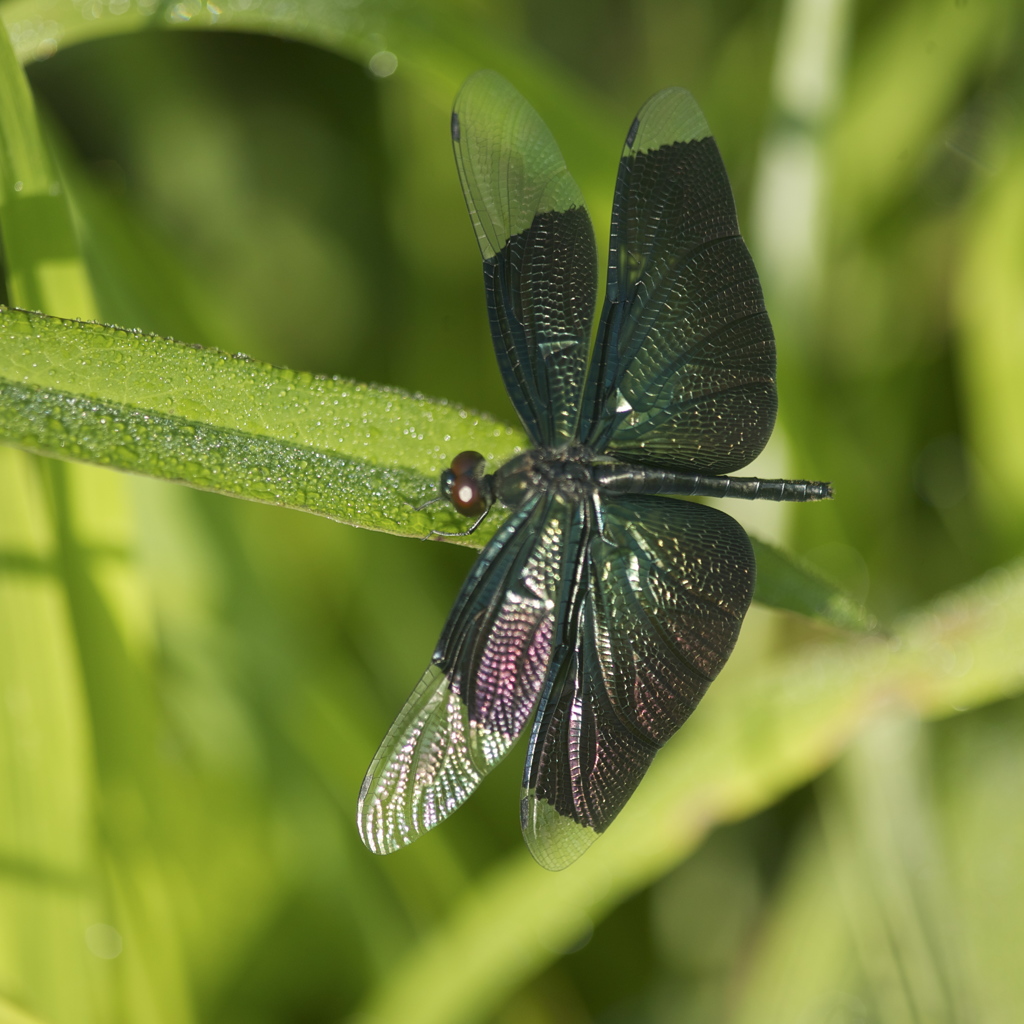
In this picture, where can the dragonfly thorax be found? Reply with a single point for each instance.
(568, 471)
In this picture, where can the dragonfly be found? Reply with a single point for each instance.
(606, 603)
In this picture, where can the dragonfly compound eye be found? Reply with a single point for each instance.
(466, 486)
(468, 464)
(467, 495)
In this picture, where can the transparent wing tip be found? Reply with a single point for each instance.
(669, 116)
(554, 840)
(432, 758)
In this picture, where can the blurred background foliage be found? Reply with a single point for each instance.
(193, 687)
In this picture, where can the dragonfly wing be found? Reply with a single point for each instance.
(683, 374)
(667, 585)
(482, 684)
(537, 242)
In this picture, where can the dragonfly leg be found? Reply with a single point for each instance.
(461, 533)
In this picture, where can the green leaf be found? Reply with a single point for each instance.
(354, 453)
(991, 351)
(47, 773)
(42, 262)
(787, 582)
(883, 840)
(892, 63)
(802, 966)
(75, 662)
(46, 777)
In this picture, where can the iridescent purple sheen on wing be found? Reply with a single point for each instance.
(667, 587)
(512, 669)
(482, 685)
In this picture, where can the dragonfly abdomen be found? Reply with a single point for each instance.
(628, 479)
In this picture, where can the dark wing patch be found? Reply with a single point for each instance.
(666, 587)
(482, 684)
(683, 374)
(537, 242)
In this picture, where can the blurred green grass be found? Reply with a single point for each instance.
(192, 687)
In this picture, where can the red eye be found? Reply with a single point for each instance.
(468, 464)
(466, 486)
(466, 495)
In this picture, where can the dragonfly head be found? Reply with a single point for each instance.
(466, 485)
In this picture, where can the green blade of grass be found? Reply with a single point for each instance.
(881, 830)
(784, 581)
(48, 893)
(352, 452)
(74, 668)
(991, 349)
(43, 265)
(46, 777)
(802, 965)
(889, 64)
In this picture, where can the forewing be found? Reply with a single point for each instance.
(537, 242)
(482, 683)
(683, 374)
(668, 583)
